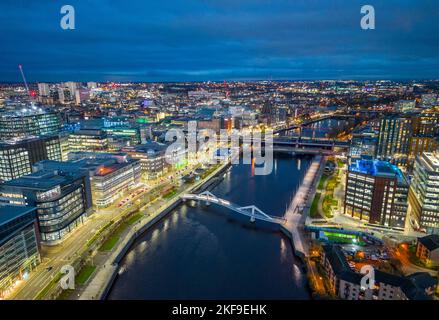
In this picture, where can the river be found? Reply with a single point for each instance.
(200, 252)
(325, 128)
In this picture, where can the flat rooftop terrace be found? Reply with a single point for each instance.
(377, 168)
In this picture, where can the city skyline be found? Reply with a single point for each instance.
(195, 152)
(219, 40)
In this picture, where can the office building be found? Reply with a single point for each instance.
(88, 140)
(405, 105)
(63, 200)
(111, 174)
(424, 192)
(124, 136)
(376, 192)
(64, 145)
(27, 122)
(152, 158)
(429, 100)
(18, 156)
(19, 248)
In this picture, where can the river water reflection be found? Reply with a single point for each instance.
(200, 252)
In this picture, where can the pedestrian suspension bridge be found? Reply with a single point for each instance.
(251, 211)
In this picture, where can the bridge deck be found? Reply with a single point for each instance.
(254, 212)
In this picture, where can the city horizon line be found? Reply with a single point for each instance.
(229, 80)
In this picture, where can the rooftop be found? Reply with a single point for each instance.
(431, 242)
(107, 168)
(29, 111)
(10, 212)
(90, 132)
(377, 168)
(413, 286)
(100, 166)
(41, 180)
(149, 147)
(21, 140)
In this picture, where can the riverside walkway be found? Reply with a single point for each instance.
(99, 285)
(297, 211)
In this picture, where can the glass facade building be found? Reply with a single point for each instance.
(19, 250)
(18, 156)
(27, 122)
(88, 140)
(62, 199)
(111, 174)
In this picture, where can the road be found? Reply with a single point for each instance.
(64, 253)
(319, 285)
(408, 267)
(95, 286)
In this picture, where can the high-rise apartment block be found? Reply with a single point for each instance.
(424, 192)
(394, 139)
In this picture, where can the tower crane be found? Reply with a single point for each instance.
(24, 79)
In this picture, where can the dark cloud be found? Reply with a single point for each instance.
(218, 39)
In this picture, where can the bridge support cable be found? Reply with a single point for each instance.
(251, 211)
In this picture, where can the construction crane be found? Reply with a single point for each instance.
(24, 79)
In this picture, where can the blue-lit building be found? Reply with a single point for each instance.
(119, 130)
(62, 199)
(19, 249)
(376, 192)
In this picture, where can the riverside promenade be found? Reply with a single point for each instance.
(298, 210)
(99, 286)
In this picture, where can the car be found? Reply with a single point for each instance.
(49, 268)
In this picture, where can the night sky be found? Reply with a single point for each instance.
(178, 40)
